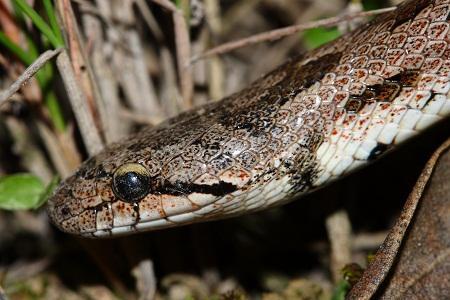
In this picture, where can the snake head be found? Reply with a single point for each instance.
(119, 192)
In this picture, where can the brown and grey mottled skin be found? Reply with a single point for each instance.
(308, 122)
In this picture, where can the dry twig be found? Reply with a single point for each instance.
(28, 73)
(282, 32)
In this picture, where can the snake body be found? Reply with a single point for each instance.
(313, 119)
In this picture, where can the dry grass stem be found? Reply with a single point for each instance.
(216, 71)
(131, 64)
(282, 32)
(135, 117)
(32, 157)
(339, 232)
(145, 279)
(167, 4)
(183, 52)
(96, 253)
(77, 98)
(56, 153)
(113, 129)
(170, 94)
(97, 292)
(68, 146)
(81, 66)
(234, 14)
(28, 73)
(200, 73)
(183, 49)
(149, 19)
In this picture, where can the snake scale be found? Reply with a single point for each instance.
(308, 122)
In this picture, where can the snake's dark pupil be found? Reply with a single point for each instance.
(131, 186)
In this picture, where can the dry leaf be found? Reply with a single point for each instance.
(414, 261)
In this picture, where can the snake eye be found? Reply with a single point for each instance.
(131, 182)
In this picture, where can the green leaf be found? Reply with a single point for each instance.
(341, 290)
(316, 37)
(20, 191)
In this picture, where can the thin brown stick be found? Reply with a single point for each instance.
(28, 73)
(276, 34)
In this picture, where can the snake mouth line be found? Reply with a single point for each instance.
(222, 208)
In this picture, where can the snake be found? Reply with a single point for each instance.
(311, 121)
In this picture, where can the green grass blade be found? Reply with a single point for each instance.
(50, 10)
(25, 57)
(15, 49)
(39, 22)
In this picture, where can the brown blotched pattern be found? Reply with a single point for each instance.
(309, 121)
